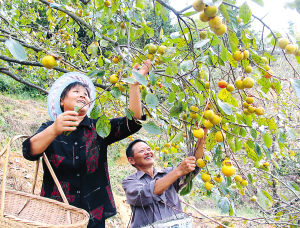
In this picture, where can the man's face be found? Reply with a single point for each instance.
(77, 96)
(142, 156)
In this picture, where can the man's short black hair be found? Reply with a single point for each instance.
(70, 86)
(129, 151)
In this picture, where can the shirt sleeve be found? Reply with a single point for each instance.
(121, 128)
(26, 144)
(140, 194)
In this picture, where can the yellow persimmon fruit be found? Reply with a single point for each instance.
(228, 170)
(246, 54)
(208, 114)
(283, 42)
(203, 17)
(216, 119)
(194, 108)
(238, 178)
(230, 87)
(249, 100)
(220, 30)
(49, 61)
(198, 5)
(239, 83)
(244, 183)
(201, 163)
(248, 69)
(161, 49)
(211, 11)
(248, 83)
(219, 136)
(215, 22)
(115, 59)
(207, 124)
(218, 178)
(290, 48)
(113, 79)
(238, 55)
(208, 186)
(194, 115)
(205, 177)
(198, 133)
(259, 111)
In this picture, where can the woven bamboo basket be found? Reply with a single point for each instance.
(20, 209)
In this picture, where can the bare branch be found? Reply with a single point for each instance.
(28, 63)
(7, 72)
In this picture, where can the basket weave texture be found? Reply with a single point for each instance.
(28, 210)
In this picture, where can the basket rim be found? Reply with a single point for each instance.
(62, 205)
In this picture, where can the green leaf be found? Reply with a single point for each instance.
(100, 60)
(210, 142)
(277, 85)
(263, 201)
(151, 100)
(224, 204)
(186, 65)
(176, 109)
(233, 41)
(188, 14)
(259, 2)
(116, 92)
(152, 77)
(201, 43)
(268, 140)
(186, 190)
(172, 97)
(296, 85)
(258, 151)
(103, 126)
(149, 31)
(238, 144)
(96, 73)
(251, 153)
(225, 107)
(217, 155)
(245, 13)
(267, 195)
(140, 78)
(250, 177)
(16, 49)
(254, 133)
(129, 113)
(95, 113)
(293, 185)
(129, 80)
(140, 4)
(267, 151)
(243, 132)
(151, 128)
(272, 124)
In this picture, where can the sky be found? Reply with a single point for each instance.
(274, 14)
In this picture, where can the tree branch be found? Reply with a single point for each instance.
(28, 63)
(10, 74)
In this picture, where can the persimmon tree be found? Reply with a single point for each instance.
(211, 69)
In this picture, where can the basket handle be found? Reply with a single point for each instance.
(5, 167)
(63, 196)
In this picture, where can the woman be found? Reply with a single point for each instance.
(77, 153)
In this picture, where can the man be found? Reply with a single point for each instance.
(152, 193)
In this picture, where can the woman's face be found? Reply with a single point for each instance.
(76, 96)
